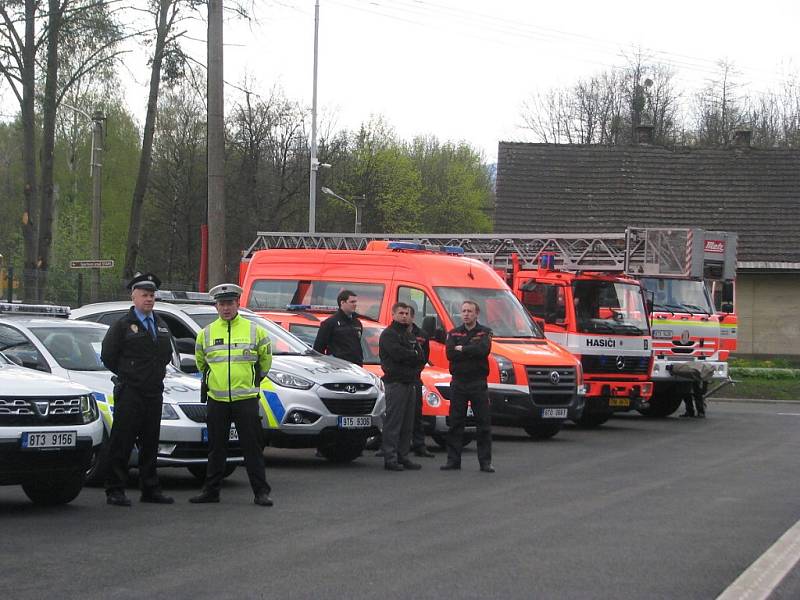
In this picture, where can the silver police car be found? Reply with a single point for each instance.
(308, 400)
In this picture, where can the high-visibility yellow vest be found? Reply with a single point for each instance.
(234, 356)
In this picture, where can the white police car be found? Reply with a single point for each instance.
(50, 429)
(31, 337)
(308, 400)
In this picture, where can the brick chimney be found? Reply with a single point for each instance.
(742, 138)
(644, 134)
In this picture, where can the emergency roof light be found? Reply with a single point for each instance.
(40, 310)
(182, 297)
(311, 307)
(425, 247)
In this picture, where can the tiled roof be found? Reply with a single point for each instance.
(544, 188)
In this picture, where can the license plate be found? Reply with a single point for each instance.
(619, 402)
(233, 436)
(49, 439)
(554, 413)
(355, 422)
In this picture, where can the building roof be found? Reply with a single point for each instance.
(543, 188)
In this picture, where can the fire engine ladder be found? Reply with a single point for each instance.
(634, 251)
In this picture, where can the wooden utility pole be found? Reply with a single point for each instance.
(217, 271)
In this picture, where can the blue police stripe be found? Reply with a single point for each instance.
(274, 404)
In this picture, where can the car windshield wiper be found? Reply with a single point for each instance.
(697, 308)
(626, 328)
(670, 307)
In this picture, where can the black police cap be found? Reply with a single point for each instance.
(145, 281)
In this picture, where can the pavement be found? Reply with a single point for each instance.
(638, 508)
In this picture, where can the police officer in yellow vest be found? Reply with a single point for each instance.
(234, 355)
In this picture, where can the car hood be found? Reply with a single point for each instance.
(321, 369)
(177, 386)
(19, 381)
(533, 352)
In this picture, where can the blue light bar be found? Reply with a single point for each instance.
(425, 247)
(311, 308)
(42, 310)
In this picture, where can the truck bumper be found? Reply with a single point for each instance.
(515, 406)
(617, 396)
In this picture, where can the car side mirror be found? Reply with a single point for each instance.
(185, 345)
(649, 299)
(188, 364)
(726, 307)
(539, 322)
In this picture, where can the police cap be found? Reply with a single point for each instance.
(224, 291)
(144, 281)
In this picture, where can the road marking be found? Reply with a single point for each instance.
(762, 577)
(790, 414)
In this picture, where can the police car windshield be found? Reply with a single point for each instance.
(283, 342)
(499, 310)
(73, 348)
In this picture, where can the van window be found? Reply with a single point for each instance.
(499, 310)
(423, 307)
(276, 294)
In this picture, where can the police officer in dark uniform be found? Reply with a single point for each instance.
(468, 348)
(340, 334)
(418, 435)
(137, 349)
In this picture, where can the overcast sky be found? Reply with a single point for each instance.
(461, 69)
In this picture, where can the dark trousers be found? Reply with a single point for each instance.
(398, 421)
(244, 413)
(694, 398)
(418, 434)
(136, 418)
(477, 394)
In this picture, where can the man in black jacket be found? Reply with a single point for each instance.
(468, 348)
(400, 355)
(340, 334)
(137, 349)
(418, 434)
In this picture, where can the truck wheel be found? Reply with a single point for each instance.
(543, 431)
(664, 402)
(199, 471)
(58, 490)
(589, 421)
(99, 464)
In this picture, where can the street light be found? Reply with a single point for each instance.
(330, 192)
(97, 186)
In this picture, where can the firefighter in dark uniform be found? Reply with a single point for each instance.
(468, 348)
(418, 435)
(340, 334)
(137, 349)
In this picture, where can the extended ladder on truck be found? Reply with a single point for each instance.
(655, 252)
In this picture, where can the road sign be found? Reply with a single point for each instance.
(91, 264)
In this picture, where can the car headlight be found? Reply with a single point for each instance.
(432, 398)
(168, 413)
(89, 410)
(290, 381)
(505, 368)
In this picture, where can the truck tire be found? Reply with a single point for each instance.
(199, 471)
(665, 401)
(543, 431)
(54, 491)
(592, 420)
(342, 452)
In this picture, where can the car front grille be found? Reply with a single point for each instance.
(551, 385)
(349, 406)
(196, 412)
(611, 365)
(40, 410)
(351, 388)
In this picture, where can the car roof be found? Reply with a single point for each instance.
(33, 322)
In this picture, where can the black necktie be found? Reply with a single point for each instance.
(151, 327)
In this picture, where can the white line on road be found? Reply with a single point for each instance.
(790, 414)
(765, 574)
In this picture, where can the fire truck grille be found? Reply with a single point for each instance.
(551, 385)
(32, 411)
(610, 365)
(349, 406)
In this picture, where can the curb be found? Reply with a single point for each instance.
(753, 400)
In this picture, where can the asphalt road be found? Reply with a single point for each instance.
(636, 509)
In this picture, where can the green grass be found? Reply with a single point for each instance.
(767, 389)
(770, 363)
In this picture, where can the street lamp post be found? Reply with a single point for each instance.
(353, 203)
(312, 183)
(97, 119)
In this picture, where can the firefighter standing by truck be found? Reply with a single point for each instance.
(340, 334)
(137, 349)
(234, 355)
(468, 348)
